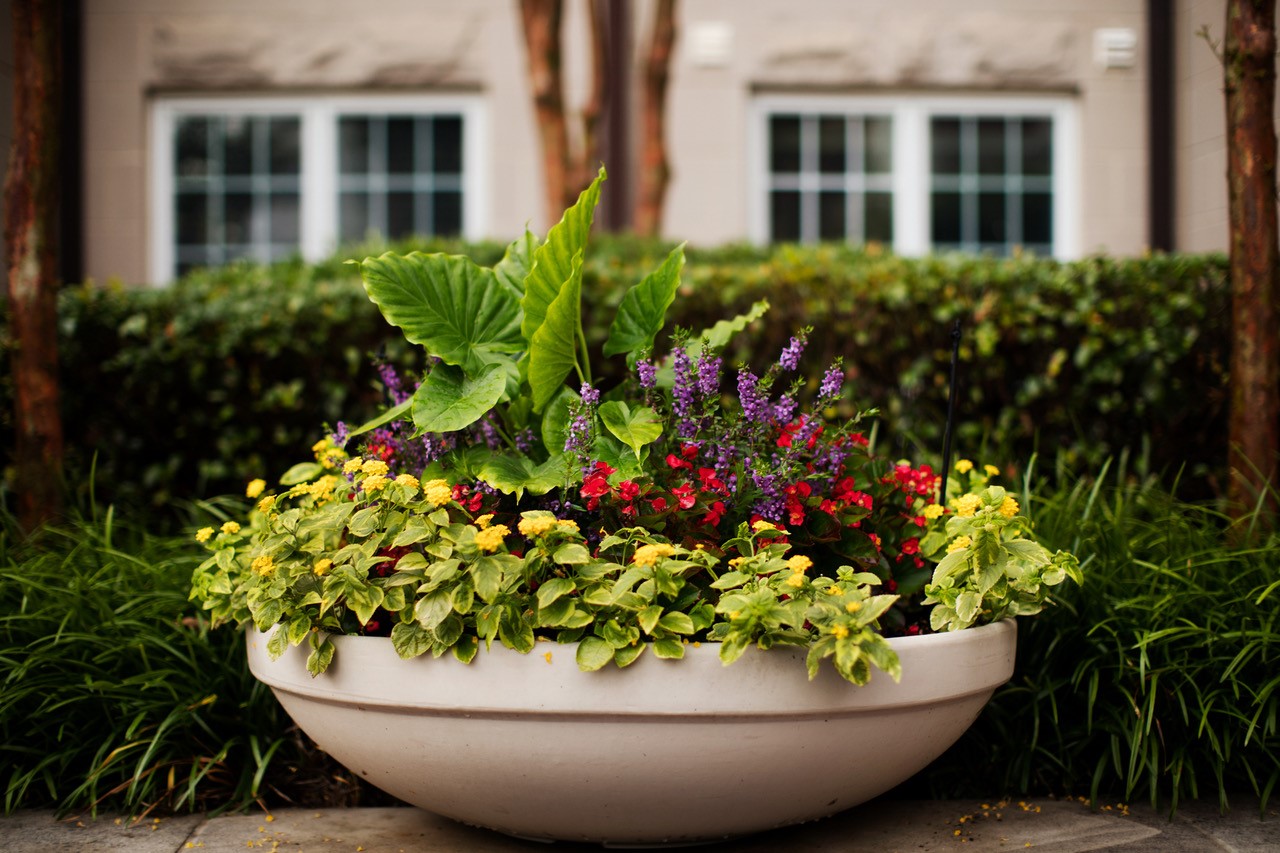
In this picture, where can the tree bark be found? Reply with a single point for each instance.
(541, 19)
(1250, 81)
(31, 200)
(655, 171)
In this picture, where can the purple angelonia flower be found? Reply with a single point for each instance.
(340, 435)
(790, 358)
(647, 372)
(755, 406)
(579, 437)
(391, 381)
(784, 410)
(709, 375)
(832, 382)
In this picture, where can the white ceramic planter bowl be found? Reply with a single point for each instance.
(663, 752)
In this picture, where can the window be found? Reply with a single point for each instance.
(268, 178)
(918, 173)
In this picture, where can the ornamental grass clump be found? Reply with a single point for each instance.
(506, 497)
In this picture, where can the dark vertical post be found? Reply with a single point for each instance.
(1160, 129)
(616, 203)
(951, 412)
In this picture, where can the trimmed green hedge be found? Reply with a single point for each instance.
(193, 389)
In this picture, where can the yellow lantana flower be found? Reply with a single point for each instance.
(352, 465)
(568, 524)
(490, 538)
(322, 567)
(647, 555)
(437, 492)
(266, 504)
(374, 467)
(1009, 507)
(407, 480)
(203, 534)
(483, 521)
(796, 580)
(263, 565)
(762, 525)
(853, 606)
(992, 471)
(254, 488)
(964, 466)
(932, 511)
(230, 527)
(840, 632)
(959, 543)
(799, 563)
(373, 483)
(967, 505)
(536, 526)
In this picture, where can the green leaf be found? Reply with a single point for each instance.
(555, 420)
(553, 348)
(364, 522)
(450, 400)
(677, 622)
(410, 639)
(514, 474)
(571, 554)
(456, 309)
(487, 574)
(636, 429)
(668, 648)
(554, 260)
(554, 589)
(593, 653)
(644, 307)
(320, 658)
(723, 331)
(648, 617)
(432, 608)
(277, 643)
(298, 627)
(466, 647)
(555, 614)
(395, 413)
(303, 472)
(627, 655)
(516, 263)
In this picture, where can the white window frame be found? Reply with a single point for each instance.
(318, 142)
(910, 114)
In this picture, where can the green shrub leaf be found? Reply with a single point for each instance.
(593, 653)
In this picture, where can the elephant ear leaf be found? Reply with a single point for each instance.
(553, 260)
(514, 267)
(635, 428)
(722, 332)
(644, 307)
(516, 474)
(553, 348)
(448, 304)
(449, 400)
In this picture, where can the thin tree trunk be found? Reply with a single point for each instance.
(1250, 81)
(584, 164)
(31, 197)
(655, 171)
(541, 20)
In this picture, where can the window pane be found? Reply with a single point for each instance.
(945, 146)
(785, 215)
(193, 218)
(353, 216)
(237, 218)
(446, 213)
(946, 218)
(991, 223)
(1037, 147)
(285, 156)
(399, 215)
(831, 141)
(991, 146)
(191, 146)
(879, 145)
(238, 145)
(878, 217)
(353, 146)
(831, 216)
(446, 145)
(784, 144)
(1037, 218)
(400, 146)
(284, 218)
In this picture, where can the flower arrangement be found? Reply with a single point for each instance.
(507, 498)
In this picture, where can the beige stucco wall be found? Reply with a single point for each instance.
(137, 50)
(914, 46)
(1200, 130)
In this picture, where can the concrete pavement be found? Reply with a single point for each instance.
(883, 826)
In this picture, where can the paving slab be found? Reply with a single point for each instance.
(884, 826)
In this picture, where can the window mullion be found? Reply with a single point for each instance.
(319, 181)
(912, 179)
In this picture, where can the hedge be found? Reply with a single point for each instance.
(190, 390)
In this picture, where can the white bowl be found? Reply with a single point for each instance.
(662, 752)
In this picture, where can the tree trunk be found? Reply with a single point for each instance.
(584, 164)
(655, 172)
(541, 20)
(1250, 80)
(31, 198)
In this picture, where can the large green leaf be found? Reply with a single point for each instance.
(718, 335)
(644, 307)
(553, 261)
(515, 265)
(516, 474)
(447, 303)
(395, 413)
(448, 400)
(553, 350)
(634, 428)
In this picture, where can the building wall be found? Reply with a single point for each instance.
(727, 51)
(1201, 148)
(909, 46)
(138, 50)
